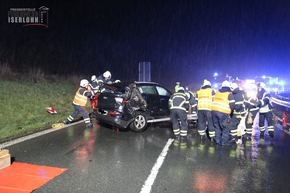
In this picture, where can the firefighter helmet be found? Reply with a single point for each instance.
(180, 89)
(206, 83)
(226, 84)
(261, 84)
(84, 83)
(234, 86)
(107, 75)
(94, 78)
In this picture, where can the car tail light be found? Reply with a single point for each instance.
(113, 113)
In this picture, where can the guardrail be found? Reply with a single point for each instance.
(281, 104)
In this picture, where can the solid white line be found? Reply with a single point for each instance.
(34, 135)
(154, 171)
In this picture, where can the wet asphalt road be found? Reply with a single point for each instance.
(104, 160)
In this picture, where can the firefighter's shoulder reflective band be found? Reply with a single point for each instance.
(57, 125)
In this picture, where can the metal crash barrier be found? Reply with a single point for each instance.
(282, 104)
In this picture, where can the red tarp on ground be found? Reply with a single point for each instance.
(24, 178)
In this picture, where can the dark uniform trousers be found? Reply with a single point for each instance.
(235, 121)
(221, 123)
(205, 120)
(250, 121)
(268, 116)
(179, 122)
(80, 109)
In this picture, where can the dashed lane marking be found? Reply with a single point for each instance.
(154, 171)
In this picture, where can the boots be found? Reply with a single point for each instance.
(66, 121)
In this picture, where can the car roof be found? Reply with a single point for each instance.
(151, 83)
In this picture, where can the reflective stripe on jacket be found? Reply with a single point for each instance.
(266, 105)
(80, 99)
(221, 102)
(204, 97)
(178, 101)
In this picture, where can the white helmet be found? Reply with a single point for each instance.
(180, 89)
(226, 84)
(234, 86)
(107, 75)
(206, 83)
(261, 84)
(117, 81)
(84, 83)
(94, 78)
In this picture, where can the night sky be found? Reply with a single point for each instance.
(185, 40)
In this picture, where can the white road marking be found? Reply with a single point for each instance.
(154, 171)
(34, 135)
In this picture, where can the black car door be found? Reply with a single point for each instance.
(164, 96)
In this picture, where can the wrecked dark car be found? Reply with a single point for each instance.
(132, 105)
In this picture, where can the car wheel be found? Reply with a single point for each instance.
(140, 122)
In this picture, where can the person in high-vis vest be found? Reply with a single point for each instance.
(222, 107)
(178, 104)
(251, 104)
(204, 108)
(265, 112)
(79, 102)
(238, 113)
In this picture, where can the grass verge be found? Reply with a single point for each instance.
(23, 106)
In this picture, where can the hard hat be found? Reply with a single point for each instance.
(93, 78)
(261, 84)
(177, 82)
(117, 81)
(206, 83)
(107, 74)
(84, 83)
(234, 86)
(226, 84)
(180, 89)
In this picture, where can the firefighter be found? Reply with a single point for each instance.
(251, 105)
(79, 103)
(238, 113)
(204, 107)
(95, 85)
(265, 110)
(222, 107)
(104, 80)
(178, 104)
(192, 100)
